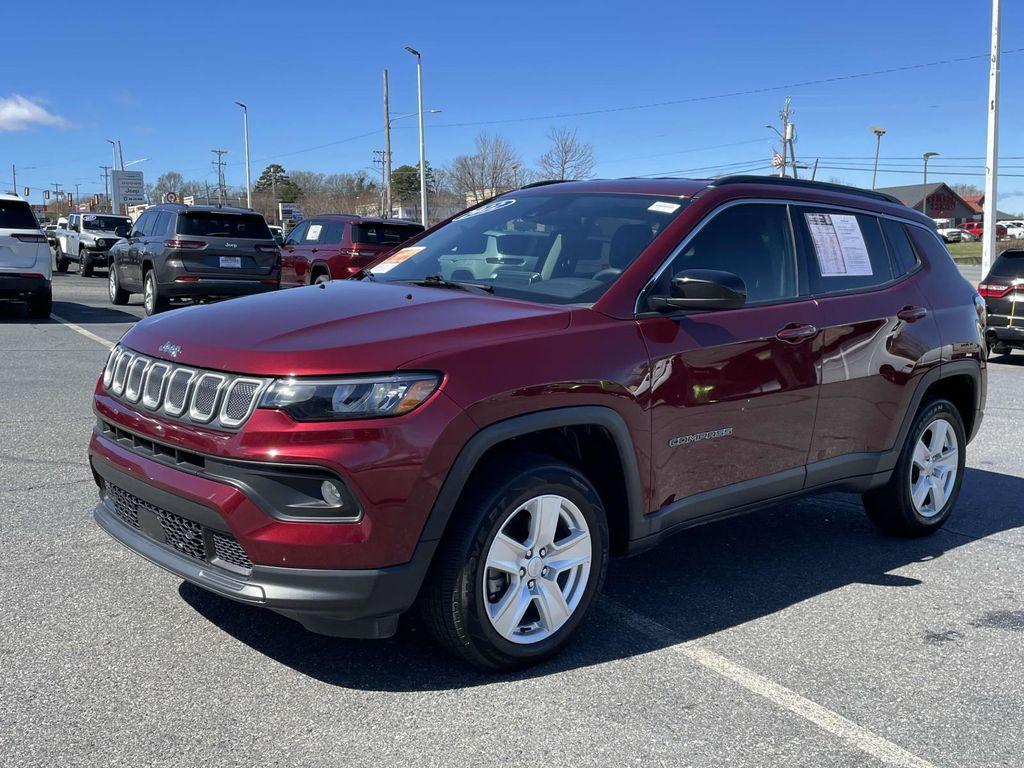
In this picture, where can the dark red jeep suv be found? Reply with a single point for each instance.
(568, 372)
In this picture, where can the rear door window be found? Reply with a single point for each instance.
(844, 251)
(333, 233)
(223, 224)
(378, 233)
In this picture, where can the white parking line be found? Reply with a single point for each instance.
(83, 331)
(826, 719)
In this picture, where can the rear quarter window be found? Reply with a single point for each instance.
(218, 224)
(904, 256)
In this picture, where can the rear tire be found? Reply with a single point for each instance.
(152, 301)
(85, 263)
(323, 277)
(491, 597)
(118, 296)
(925, 483)
(40, 305)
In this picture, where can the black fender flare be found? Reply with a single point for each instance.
(516, 426)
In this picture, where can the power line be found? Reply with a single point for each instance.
(747, 92)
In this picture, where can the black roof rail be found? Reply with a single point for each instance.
(788, 182)
(544, 183)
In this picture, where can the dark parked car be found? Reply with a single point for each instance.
(674, 351)
(1003, 291)
(336, 246)
(176, 252)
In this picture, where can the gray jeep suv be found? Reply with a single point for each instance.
(178, 252)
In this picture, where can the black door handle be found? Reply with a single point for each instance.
(911, 314)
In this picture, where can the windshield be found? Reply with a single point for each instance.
(218, 224)
(556, 248)
(106, 224)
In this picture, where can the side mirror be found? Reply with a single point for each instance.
(702, 289)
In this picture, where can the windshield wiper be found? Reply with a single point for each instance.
(437, 281)
(364, 274)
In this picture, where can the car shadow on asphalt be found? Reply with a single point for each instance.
(81, 314)
(700, 582)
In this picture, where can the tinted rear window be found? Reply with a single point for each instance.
(15, 214)
(1009, 264)
(217, 224)
(384, 234)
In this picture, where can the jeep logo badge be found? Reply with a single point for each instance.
(170, 349)
(230, 245)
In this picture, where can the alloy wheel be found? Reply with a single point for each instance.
(147, 297)
(934, 468)
(537, 568)
(112, 283)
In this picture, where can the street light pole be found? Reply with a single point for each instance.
(248, 171)
(423, 158)
(113, 167)
(924, 193)
(988, 248)
(879, 133)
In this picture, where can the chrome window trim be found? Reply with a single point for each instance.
(195, 415)
(130, 395)
(178, 412)
(226, 420)
(146, 401)
(637, 311)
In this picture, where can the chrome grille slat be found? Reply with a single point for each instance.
(209, 398)
(133, 382)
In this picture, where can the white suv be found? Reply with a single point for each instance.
(25, 268)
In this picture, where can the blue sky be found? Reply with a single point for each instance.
(162, 77)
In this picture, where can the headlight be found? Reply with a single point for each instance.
(363, 397)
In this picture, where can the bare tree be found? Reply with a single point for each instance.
(568, 157)
(494, 167)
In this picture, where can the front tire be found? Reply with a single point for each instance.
(62, 261)
(85, 263)
(924, 486)
(118, 296)
(522, 561)
(152, 301)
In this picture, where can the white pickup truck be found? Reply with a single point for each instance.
(87, 239)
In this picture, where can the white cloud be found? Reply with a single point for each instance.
(18, 114)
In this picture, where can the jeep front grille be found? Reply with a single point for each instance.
(184, 536)
(210, 398)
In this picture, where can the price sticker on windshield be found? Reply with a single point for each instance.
(395, 259)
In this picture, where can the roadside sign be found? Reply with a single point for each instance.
(170, 197)
(289, 212)
(128, 188)
(189, 200)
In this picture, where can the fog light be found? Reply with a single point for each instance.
(331, 493)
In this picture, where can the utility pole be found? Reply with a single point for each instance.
(120, 154)
(786, 134)
(14, 179)
(106, 187)
(387, 150)
(378, 159)
(988, 248)
(219, 163)
(815, 171)
(56, 195)
(879, 133)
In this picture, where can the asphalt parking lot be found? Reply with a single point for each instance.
(797, 636)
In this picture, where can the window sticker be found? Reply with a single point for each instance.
(395, 259)
(492, 206)
(839, 245)
(313, 233)
(663, 207)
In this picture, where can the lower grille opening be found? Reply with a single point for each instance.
(185, 536)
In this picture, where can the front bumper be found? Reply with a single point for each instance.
(359, 603)
(15, 286)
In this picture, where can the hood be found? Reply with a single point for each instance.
(346, 326)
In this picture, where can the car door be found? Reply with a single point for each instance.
(72, 240)
(733, 392)
(307, 250)
(133, 253)
(292, 244)
(877, 334)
